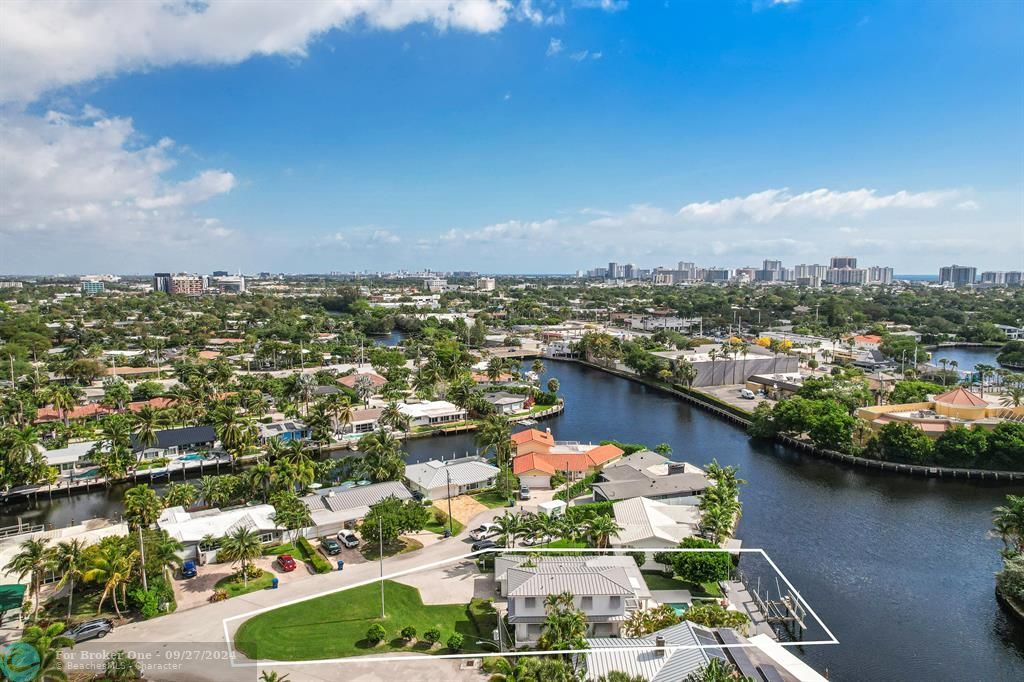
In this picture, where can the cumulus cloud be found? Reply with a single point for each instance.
(510, 230)
(47, 45)
(969, 205)
(92, 172)
(554, 47)
(820, 204)
(579, 56)
(605, 5)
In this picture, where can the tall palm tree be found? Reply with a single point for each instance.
(340, 407)
(1014, 397)
(510, 526)
(142, 506)
(180, 495)
(393, 417)
(602, 530)
(69, 560)
(382, 460)
(162, 551)
(33, 559)
(495, 434)
(242, 546)
(145, 424)
(112, 565)
(1008, 522)
(64, 402)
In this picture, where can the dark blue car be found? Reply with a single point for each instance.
(188, 569)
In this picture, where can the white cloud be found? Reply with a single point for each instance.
(819, 204)
(65, 173)
(554, 47)
(784, 2)
(579, 56)
(509, 230)
(596, 55)
(46, 45)
(605, 5)
(969, 205)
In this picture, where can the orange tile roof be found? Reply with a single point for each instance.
(350, 380)
(961, 396)
(50, 413)
(532, 462)
(867, 338)
(569, 461)
(530, 435)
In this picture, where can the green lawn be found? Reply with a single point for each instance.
(278, 550)
(234, 587)
(370, 550)
(658, 581)
(566, 543)
(492, 499)
(83, 606)
(435, 527)
(335, 625)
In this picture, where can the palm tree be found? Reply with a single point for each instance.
(496, 434)
(340, 408)
(1014, 397)
(538, 368)
(1008, 522)
(510, 525)
(717, 670)
(112, 566)
(162, 551)
(33, 559)
(382, 460)
(234, 431)
(146, 423)
(553, 385)
(63, 402)
(271, 676)
(180, 495)
(142, 506)
(69, 560)
(364, 389)
(48, 643)
(393, 417)
(242, 545)
(602, 530)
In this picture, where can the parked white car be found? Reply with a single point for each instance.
(485, 531)
(538, 540)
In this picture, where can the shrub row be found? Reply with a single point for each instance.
(320, 565)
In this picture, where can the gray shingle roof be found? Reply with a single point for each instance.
(340, 499)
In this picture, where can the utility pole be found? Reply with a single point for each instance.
(449, 472)
(142, 554)
(380, 532)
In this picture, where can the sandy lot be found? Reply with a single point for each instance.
(464, 508)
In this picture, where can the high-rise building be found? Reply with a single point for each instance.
(958, 275)
(188, 285)
(230, 284)
(614, 270)
(435, 284)
(717, 275)
(91, 287)
(992, 277)
(855, 276)
(629, 271)
(840, 262)
(880, 275)
(487, 283)
(220, 273)
(162, 282)
(1014, 278)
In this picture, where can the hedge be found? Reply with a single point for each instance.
(320, 565)
(578, 488)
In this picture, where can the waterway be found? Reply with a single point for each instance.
(967, 357)
(899, 568)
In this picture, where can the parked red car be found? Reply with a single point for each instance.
(286, 562)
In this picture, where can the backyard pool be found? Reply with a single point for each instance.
(680, 609)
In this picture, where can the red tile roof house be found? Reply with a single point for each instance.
(350, 380)
(539, 456)
(49, 413)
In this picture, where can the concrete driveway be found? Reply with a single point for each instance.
(196, 591)
(452, 584)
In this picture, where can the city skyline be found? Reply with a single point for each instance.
(530, 137)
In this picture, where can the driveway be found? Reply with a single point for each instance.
(451, 584)
(193, 639)
(196, 591)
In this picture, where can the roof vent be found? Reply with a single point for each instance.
(659, 642)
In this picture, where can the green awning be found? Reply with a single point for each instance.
(11, 597)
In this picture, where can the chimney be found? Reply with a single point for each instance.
(659, 642)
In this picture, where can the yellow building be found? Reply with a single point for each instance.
(956, 407)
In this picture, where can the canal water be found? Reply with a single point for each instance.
(966, 357)
(899, 568)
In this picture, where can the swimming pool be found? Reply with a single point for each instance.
(191, 457)
(680, 609)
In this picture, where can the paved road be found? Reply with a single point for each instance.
(190, 645)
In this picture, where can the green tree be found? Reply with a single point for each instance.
(142, 506)
(902, 442)
(701, 567)
(382, 457)
(241, 546)
(120, 667)
(714, 615)
(959, 446)
(48, 642)
(69, 560)
(717, 670)
(180, 495)
(33, 559)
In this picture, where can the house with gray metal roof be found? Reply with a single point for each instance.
(607, 589)
(438, 480)
(648, 474)
(342, 506)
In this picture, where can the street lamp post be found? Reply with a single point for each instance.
(380, 559)
(450, 528)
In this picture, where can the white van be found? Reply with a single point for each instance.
(746, 393)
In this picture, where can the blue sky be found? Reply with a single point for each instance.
(510, 137)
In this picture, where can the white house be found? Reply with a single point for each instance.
(342, 506)
(432, 412)
(189, 528)
(69, 458)
(607, 589)
(505, 402)
(438, 480)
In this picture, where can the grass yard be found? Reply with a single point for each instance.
(439, 528)
(659, 581)
(278, 550)
(492, 499)
(370, 550)
(335, 625)
(83, 606)
(566, 543)
(234, 587)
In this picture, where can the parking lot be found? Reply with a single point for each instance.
(730, 393)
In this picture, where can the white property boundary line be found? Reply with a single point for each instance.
(433, 657)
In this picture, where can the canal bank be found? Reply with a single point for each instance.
(900, 568)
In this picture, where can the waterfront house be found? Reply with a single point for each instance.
(648, 474)
(343, 506)
(174, 442)
(958, 406)
(438, 480)
(350, 380)
(678, 651)
(505, 402)
(364, 420)
(70, 458)
(190, 528)
(286, 430)
(650, 524)
(432, 413)
(607, 589)
(539, 456)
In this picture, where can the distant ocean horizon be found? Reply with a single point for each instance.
(918, 278)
